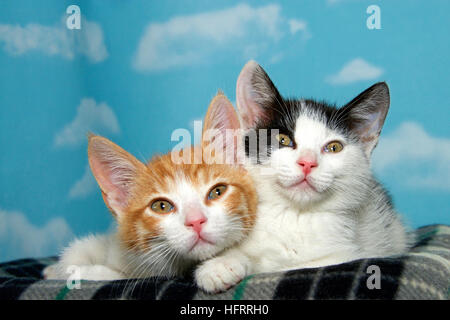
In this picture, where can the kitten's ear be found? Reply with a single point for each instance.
(222, 121)
(256, 95)
(115, 170)
(366, 114)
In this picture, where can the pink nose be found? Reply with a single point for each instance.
(307, 165)
(195, 222)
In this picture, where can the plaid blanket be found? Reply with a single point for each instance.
(424, 273)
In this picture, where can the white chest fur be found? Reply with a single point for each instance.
(284, 238)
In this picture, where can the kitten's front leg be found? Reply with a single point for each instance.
(220, 273)
(87, 258)
(82, 272)
(54, 272)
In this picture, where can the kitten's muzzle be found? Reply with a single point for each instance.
(196, 224)
(307, 164)
(195, 218)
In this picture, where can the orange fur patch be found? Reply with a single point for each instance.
(161, 172)
(144, 182)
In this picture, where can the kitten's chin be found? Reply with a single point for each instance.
(200, 248)
(203, 250)
(302, 186)
(302, 192)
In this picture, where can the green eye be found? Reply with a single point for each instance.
(333, 147)
(216, 192)
(162, 206)
(284, 140)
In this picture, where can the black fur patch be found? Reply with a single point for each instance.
(281, 114)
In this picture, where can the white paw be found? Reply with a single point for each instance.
(219, 274)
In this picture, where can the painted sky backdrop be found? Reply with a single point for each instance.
(137, 70)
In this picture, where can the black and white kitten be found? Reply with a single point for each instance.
(319, 202)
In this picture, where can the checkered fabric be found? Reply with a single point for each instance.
(423, 273)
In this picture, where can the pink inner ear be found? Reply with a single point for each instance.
(230, 118)
(249, 110)
(115, 196)
(222, 118)
(221, 115)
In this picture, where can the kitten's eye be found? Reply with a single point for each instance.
(217, 192)
(333, 147)
(162, 206)
(284, 140)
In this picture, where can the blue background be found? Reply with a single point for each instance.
(56, 84)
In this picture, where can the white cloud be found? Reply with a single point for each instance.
(296, 25)
(98, 118)
(411, 156)
(185, 40)
(356, 70)
(55, 40)
(84, 186)
(21, 239)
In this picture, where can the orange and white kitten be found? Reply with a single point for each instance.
(170, 216)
